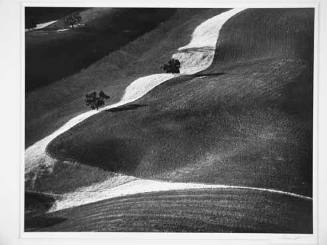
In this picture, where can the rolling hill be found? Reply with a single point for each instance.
(244, 121)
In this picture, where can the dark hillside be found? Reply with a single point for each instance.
(45, 14)
(37, 203)
(52, 55)
(250, 126)
(266, 33)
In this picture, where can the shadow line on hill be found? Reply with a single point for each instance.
(126, 107)
(209, 74)
(38, 222)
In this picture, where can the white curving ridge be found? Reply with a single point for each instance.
(104, 191)
(43, 25)
(194, 57)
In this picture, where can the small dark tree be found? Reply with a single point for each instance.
(30, 23)
(103, 95)
(73, 19)
(172, 66)
(94, 101)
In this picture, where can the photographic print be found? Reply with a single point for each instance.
(169, 120)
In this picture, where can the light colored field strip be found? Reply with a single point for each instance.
(42, 25)
(102, 191)
(194, 57)
(62, 30)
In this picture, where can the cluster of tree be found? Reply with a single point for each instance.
(72, 19)
(30, 23)
(95, 101)
(172, 66)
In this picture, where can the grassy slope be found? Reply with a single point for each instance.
(251, 126)
(45, 14)
(65, 99)
(64, 177)
(185, 211)
(51, 56)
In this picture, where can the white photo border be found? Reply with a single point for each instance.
(287, 238)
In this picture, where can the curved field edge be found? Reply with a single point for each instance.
(241, 123)
(203, 210)
(125, 186)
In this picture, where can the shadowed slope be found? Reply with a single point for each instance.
(266, 33)
(52, 55)
(37, 203)
(228, 129)
(46, 14)
(203, 210)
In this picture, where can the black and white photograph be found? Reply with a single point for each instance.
(168, 120)
(163, 122)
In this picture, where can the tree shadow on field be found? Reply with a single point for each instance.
(187, 78)
(209, 74)
(127, 107)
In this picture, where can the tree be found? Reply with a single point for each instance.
(172, 66)
(73, 19)
(103, 95)
(30, 23)
(95, 101)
